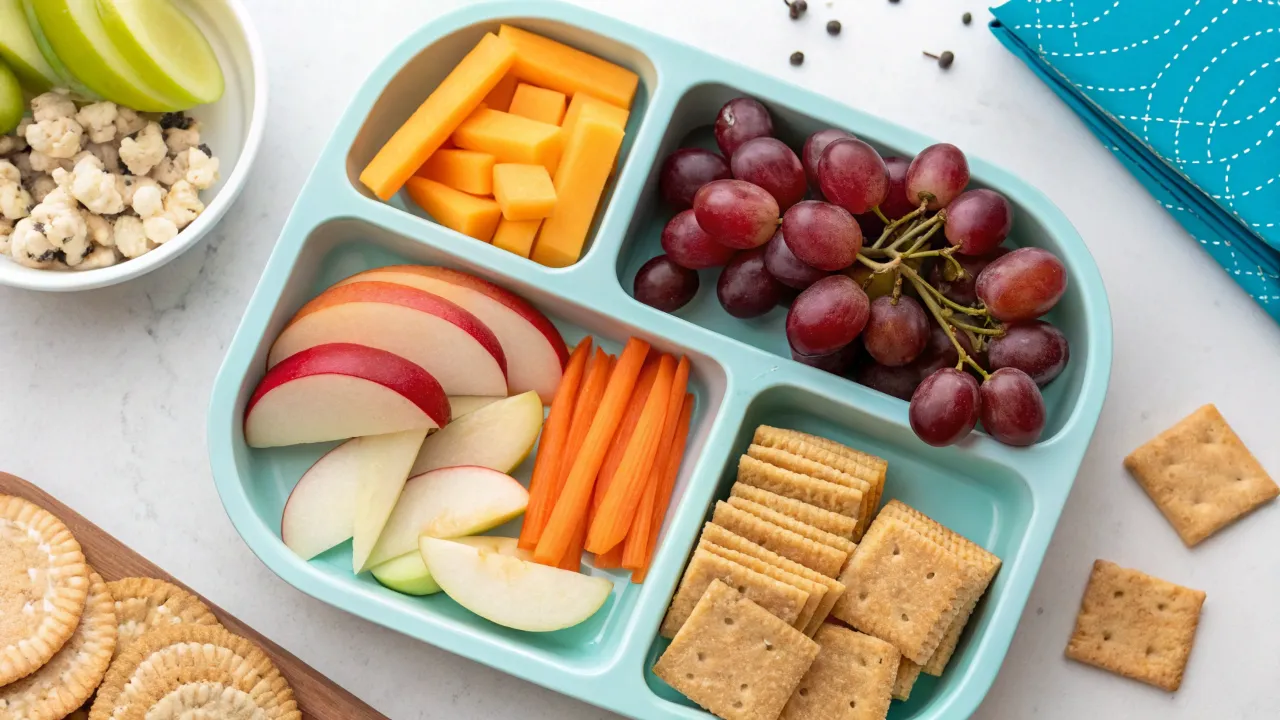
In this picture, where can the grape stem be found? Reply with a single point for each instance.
(880, 214)
(915, 277)
(893, 226)
(918, 229)
(964, 326)
(897, 286)
(946, 326)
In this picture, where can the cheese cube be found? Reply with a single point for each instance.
(516, 236)
(524, 192)
(470, 215)
(588, 158)
(556, 66)
(510, 138)
(465, 170)
(538, 104)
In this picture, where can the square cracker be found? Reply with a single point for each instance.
(826, 495)
(824, 520)
(908, 673)
(814, 469)
(782, 600)
(984, 561)
(794, 525)
(734, 658)
(1136, 625)
(815, 556)
(817, 591)
(904, 589)
(803, 445)
(724, 538)
(1201, 475)
(852, 679)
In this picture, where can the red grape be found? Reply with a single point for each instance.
(944, 408)
(853, 175)
(736, 213)
(827, 316)
(685, 171)
(769, 163)
(665, 285)
(1035, 347)
(939, 352)
(1012, 407)
(899, 382)
(896, 204)
(1022, 285)
(746, 289)
(786, 267)
(938, 174)
(978, 221)
(836, 362)
(688, 245)
(822, 235)
(811, 153)
(740, 120)
(895, 333)
(960, 289)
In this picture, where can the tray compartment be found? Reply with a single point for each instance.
(691, 126)
(980, 498)
(411, 84)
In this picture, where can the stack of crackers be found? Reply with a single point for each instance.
(146, 648)
(749, 621)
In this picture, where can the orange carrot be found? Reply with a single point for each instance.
(625, 430)
(625, 493)
(610, 560)
(551, 447)
(571, 506)
(535, 519)
(573, 556)
(667, 485)
(638, 537)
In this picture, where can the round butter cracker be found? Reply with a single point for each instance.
(144, 604)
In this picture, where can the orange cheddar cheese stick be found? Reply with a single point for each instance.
(546, 63)
(583, 171)
(439, 115)
(667, 483)
(551, 447)
(629, 419)
(614, 517)
(571, 506)
(637, 542)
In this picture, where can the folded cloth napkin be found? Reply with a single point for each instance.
(1184, 93)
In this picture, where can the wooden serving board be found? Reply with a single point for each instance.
(318, 698)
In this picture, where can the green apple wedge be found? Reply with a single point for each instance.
(64, 77)
(18, 48)
(498, 436)
(79, 39)
(162, 43)
(408, 573)
(11, 104)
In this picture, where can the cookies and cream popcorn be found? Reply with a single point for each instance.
(88, 186)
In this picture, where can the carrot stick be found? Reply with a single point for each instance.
(546, 467)
(625, 430)
(610, 560)
(535, 519)
(571, 506)
(625, 493)
(573, 556)
(667, 485)
(638, 537)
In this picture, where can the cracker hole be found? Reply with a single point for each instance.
(804, 691)
(929, 576)
(905, 618)
(1118, 594)
(743, 686)
(853, 703)
(742, 589)
(737, 703)
(768, 645)
(862, 661)
(701, 657)
(728, 621)
(1161, 606)
(1106, 636)
(1239, 479)
(1150, 650)
(896, 550)
(688, 676)
(862, 595)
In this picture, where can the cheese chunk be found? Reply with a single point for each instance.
(499, 98)
(440, 114)
(538, 104)
(470, 215)
(546, 63)
(524, 192)
(581, 101)
(588, 159)
(510, 138)
(516, 236)
(465, 170)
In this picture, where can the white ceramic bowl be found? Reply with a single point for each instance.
(232, 127)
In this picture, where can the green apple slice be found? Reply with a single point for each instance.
(163, 43)
(64, 78)
(18, 48)
(11, 105)
(78, 38)
(406, 574)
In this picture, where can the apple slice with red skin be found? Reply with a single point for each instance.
(535, 351)
(339, 391)
(449, 342)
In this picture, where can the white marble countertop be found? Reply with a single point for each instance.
(104, 393)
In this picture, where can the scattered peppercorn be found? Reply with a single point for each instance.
(797, 58)
(833, 27)
(895, 2)
(944, 60)
(966, 18)
(798, 8)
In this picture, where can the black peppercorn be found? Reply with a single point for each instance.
(833, 27)
(945, 60)
(798, 8)
(966, 18)
(797, 58)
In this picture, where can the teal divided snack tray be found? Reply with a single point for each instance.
(1006, 499)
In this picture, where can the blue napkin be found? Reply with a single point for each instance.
(1185, 93)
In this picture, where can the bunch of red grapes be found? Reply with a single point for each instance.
(903, 283)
